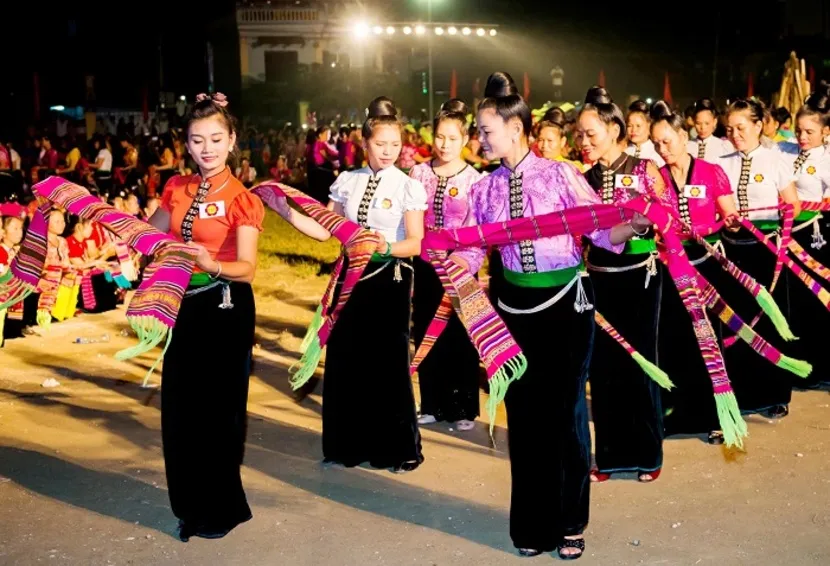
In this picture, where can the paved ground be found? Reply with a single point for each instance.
(82, 481)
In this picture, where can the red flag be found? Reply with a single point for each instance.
(750, 85)
(667, 90)
(601, 80)
(145, 103)
(527, 88)
(812, 74)
(36, 94)
(453, 85)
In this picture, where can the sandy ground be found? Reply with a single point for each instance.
(82, 477)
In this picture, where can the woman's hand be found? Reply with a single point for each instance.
(381, 247)
(732, 223)
(203, 259)
(640, 223)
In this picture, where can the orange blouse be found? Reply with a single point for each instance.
(228, 206)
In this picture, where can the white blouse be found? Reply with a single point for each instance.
(769, 173)
(647, 151)
(714, 148)
(383, 210)
(813, 173)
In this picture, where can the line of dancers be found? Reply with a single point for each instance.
(546, 291)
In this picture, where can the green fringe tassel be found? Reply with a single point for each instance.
(798, 367)
(308, 364)
(771, 309)
(657, 375)
(732, 424)
(313, 329)
(44, 319)
(512, 370)
(150, 333)
(15, 288)
(158, 360)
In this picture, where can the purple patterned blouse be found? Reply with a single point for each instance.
(537, 186)
(448, 198)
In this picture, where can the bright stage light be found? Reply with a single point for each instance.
(361, 29)
(452, 30)
(407, 30)
(439, 31)
(466, 31)
(390, 30)
(420, 30)
(378, 30)
(480, 32)
(493, 33)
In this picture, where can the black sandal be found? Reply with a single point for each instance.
(578, 544)
(529, 552)
(715, 438)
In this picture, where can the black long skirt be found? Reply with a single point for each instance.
(625, 402)
(204, 397)
(547, 417)
(368, 402)
(449, 375)
(689, 408)
(809, 319)
(759, 385)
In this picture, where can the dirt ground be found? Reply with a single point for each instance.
(82, 477)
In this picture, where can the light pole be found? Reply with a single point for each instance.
(429, 57)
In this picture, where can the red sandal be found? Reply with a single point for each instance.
(599, 477)
(654, 475)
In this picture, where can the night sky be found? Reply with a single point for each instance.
(635, 43)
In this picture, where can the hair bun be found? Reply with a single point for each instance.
(499, 85)
(598, 95)
(555, 116)
(454, 106)
(381, 106)
(819, 100)
(639, 106)
(660, 110)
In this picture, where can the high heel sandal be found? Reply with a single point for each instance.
(654, 475)
(599, 477)
(715, 438)
(529, 552)
(578, 544)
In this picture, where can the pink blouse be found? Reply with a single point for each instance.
(449, 207)
(547, 186)
(705, 183)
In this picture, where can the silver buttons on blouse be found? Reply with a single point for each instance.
(526, 247)
(366, 201)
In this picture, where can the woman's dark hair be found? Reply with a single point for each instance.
(208, 108)
(704, 104)
(754, 108)
(662, 112)
(453, 109)
(319, 131)
(381, 112)
(817, 105)
(553, 118)
(598, 100)
(780, 114)
(639, 106)
(502, 95)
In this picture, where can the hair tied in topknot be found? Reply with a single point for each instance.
(381, 106)
(660, 111)
(500, 85)
(598, 95)
(217, 97)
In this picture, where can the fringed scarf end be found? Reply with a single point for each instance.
(158, 359)
(150, 331)
(14, 289)
(732, 424)
(798, 367)
(44, 319)
(772, 310)
(510, 371)
(656, 374)
(307, 365)
(313, 329)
